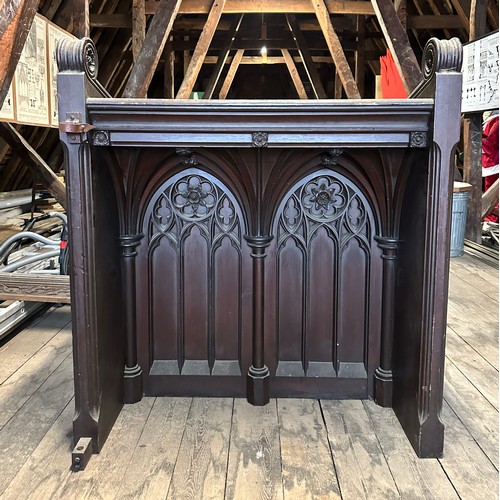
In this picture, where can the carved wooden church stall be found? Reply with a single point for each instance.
(259, 248)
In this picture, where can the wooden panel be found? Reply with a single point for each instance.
(291, 319)
(195, 302)
(353, 324)
(194, 238)
(323, 231)
(165, 302)
(43, 288)
(226, 306)
(321, 326)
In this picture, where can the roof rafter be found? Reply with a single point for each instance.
(398, 43)
(336, 50)
(152, 48)
(201, 49)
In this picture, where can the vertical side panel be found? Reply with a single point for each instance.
(291, 310)
(164, 301)
(321, 304)
(353, 310)
(227, 309)
(195, 285)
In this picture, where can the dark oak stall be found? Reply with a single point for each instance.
(260, 248)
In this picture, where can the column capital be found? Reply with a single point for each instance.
(129, 242)
(387, 242)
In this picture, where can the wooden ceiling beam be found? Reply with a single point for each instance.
(16, 17)
(417, 22)
(372, 55)
(152, 48)
(336, 50)
(224, 54)
(81, 18)
(201, 49)
(292, 69)
(270, 7)
(424, 22)
(233, 68)
(398, 43)
(305, 55)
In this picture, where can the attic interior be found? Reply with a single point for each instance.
(248, 50)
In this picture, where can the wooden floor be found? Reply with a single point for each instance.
(184, 448)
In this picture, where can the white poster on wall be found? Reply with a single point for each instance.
(7, 111)
(480, 74)
(31, 89)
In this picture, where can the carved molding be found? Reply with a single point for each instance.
(77, 55)
(260, 139)
(100, 138)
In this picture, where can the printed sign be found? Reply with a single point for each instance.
(480, 74)
(7, 111)
(31, 87)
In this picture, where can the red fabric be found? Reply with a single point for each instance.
(490, 158)
(390, 80)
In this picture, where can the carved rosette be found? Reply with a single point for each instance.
(77, 55)
(100, 138)
(324, 201)
(418, 139)
(260, 139)
(441, 55)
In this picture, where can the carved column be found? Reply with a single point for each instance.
(258, 373)
(383, 374)
(133, 373)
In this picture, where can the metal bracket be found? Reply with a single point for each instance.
(81, 454)
(74, 127)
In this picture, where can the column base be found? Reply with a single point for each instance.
(132, 384)
(383, 387)
(258, 386)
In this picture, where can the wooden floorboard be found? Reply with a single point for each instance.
(182, 448)
(254, 466)
(305, 452)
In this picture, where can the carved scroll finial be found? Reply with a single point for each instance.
(77, 55)
(441, 55)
